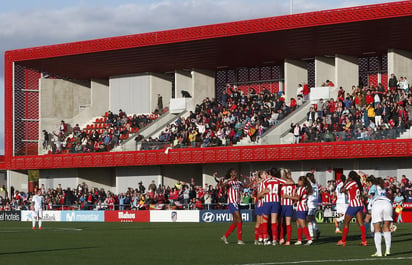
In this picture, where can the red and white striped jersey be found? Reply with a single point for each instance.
(353, 194)
(302, 204)
(233, 192)
(273, 185)
(259, 188)
(287, 190)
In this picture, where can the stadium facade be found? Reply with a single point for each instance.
(77, 82)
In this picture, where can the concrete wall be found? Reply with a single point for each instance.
(100, 98)
(199, 83)
(60, 100)
(51, 178)
(94, 177)
(203, 84)
(18, 180)
(295, 73)
(182, 173)
(130, 177)
(183, 81)
(324, 70)
(346, 72)
(160, 84)
(130, 93)
(400, 63)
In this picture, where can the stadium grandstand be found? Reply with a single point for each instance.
(322, 91)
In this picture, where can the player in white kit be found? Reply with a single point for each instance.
(37, 208)
(382, 212)
(341, 204)
(313, 202)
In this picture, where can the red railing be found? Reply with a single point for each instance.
(335, 150)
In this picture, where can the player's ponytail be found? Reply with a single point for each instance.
(355, 177)
(306, 184)
(380, 182)
(285, 173)
(311, 177)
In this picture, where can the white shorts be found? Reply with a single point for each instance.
(341, 208)
(37, 213)
(382, 211)
(311, 211)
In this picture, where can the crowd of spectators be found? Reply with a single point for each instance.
(364, 113)
(180, 196)
(102, 135)
(225, 122)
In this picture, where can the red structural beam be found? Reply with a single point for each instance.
(335, 150)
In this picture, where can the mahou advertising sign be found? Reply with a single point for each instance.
(126, 216)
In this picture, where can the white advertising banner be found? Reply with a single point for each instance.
(174, 216)
(48, 216)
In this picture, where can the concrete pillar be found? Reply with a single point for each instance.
(295, 73)
(160, 84)
(203, 82)
(346, 72)
(100, 97)
(130, 93)
(324, 70)
(400, 63)
(183, 81)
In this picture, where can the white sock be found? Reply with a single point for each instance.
(33, 221)
(378, 242)
(340, 219)
(388, 241)
(310, 228)
(39, 222)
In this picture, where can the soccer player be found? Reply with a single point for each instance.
(313, 202)
(341, 204)
(301, 196)
(372, 193)
(271, 204)
(258, 208)
(353, 188)
(286, 206)
(234, 186)
(37, 208)
(381, 218)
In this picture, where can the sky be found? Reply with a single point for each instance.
(28, 23)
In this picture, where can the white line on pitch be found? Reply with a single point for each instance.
(69, 229)
(328, 260)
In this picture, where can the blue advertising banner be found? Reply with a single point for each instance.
(216, 216)
(82, 216)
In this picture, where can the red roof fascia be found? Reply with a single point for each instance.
(311, 19)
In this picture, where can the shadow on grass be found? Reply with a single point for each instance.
(42, 250)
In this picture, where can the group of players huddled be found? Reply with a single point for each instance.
(276, 193)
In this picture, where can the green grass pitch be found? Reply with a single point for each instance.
(180, 243)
